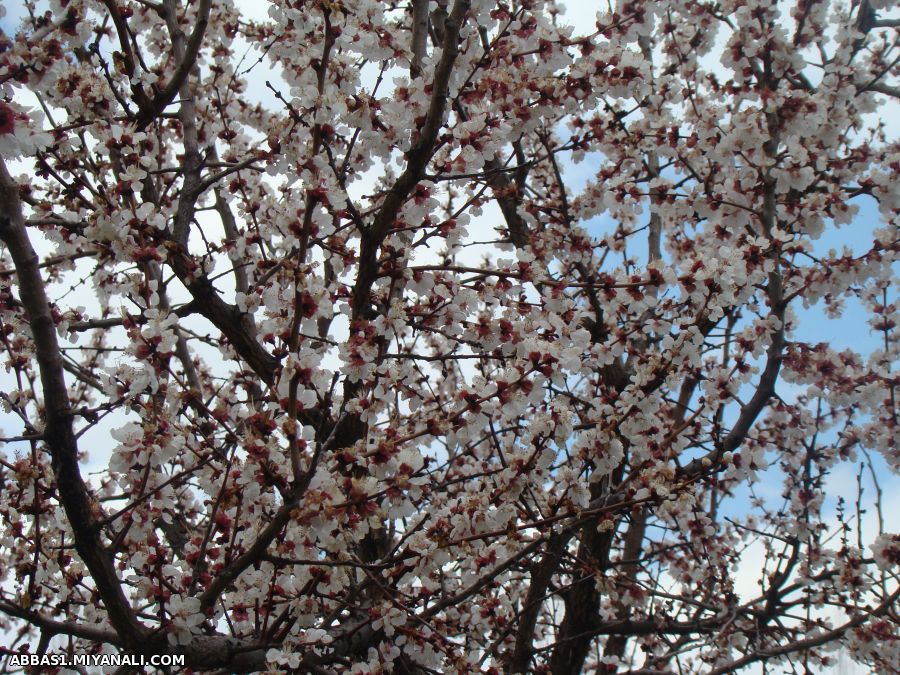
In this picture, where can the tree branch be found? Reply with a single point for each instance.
(186, 56)
(417, 160)
(83, 631)
(809, 643)
(76, 500)
(419, 36)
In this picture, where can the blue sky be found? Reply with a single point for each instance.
(850, 331)
(15, 12)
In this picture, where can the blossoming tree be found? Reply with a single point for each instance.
(471, 341)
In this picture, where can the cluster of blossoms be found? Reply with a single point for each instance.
(449, 336)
